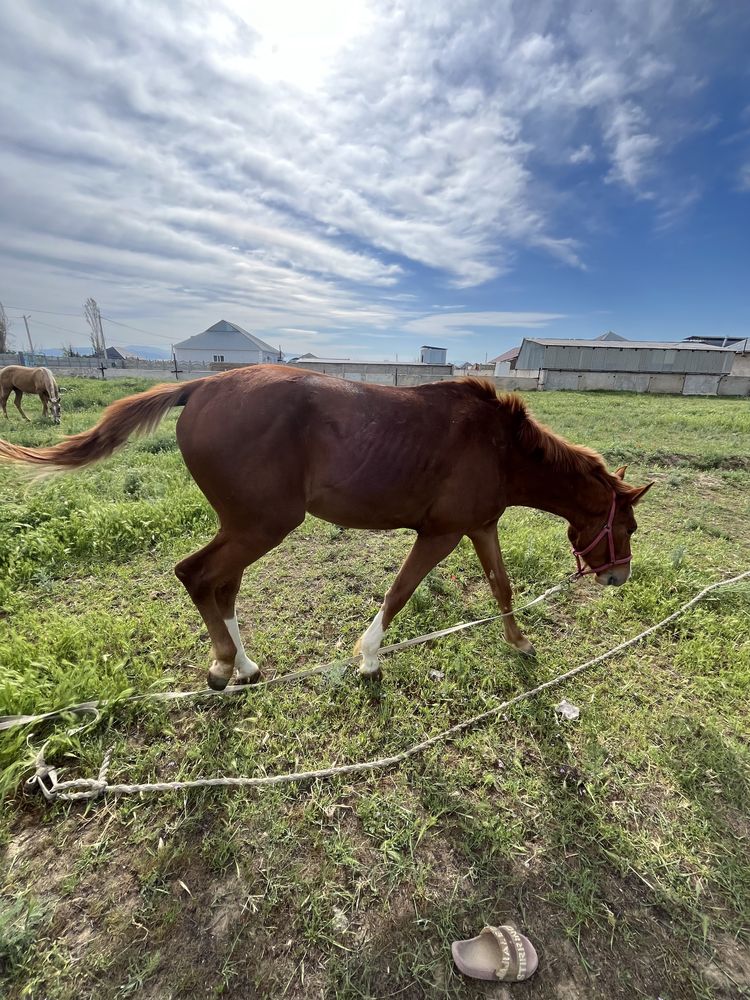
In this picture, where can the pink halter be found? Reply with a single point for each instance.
(606, 530)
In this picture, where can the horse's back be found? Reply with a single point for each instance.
(9, 373)
(267, 438)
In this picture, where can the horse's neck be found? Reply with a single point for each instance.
(571, 494)
(49, 382)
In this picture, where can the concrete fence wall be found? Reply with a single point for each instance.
(526, 381)
(512, 383)
(675, 385)
(90, 367)
(734, 385)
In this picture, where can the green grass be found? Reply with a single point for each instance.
(620, 843)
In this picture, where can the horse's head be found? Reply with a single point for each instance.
(56, 409)
(601, 542)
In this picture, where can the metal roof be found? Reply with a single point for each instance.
(739, 344)
(668, 345)
(220, 334)
(510, 355)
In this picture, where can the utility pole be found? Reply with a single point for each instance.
(102, 364)
(28, 334)
(175, 370)
(94, 319)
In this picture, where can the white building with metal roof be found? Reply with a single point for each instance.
(225, 343)
(638, 356)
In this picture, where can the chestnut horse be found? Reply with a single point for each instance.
(269, 443)
(40, 381)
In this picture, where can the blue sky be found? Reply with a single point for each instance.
(355, 179)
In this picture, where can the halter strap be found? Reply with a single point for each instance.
(606, 530)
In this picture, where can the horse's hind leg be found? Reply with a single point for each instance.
(487, 548)
(212, 577)
(17, 400)
(4, 393)
(425, 554)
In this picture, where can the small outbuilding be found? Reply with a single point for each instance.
(639, 356)
(432, 355)
(226, 343)
(506, 363)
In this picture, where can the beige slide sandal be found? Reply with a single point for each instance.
(496, 953)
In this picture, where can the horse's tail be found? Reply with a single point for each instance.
(136, 414)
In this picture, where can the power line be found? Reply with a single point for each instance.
(138, 329)
(46, 312)
(62, 329)
(49, 312)
(75, 333)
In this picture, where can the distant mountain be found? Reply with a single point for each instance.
(57, 352)
(136, 350)
(146, 352)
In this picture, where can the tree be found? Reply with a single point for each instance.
(69, 351)
(94, 320)
(4, 330)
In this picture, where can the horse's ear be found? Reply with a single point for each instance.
(620, 473)
(638, 492)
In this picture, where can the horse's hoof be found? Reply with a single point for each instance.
(247, 679)
(527, 649)
(370, 673)
(215, 680)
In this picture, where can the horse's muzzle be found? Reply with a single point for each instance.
(614, 577)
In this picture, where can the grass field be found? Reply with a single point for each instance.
(619, 843)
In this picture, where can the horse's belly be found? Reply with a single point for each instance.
(375, 513)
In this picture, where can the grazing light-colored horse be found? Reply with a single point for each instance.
(40, 381)
(268, 443)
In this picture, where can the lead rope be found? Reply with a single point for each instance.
(45, 777)
(11, 721)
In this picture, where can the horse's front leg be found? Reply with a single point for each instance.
(17, 397)
(426, 553)
(487, 547)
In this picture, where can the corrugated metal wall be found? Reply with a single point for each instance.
(562, 357)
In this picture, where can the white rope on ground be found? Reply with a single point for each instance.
(83, 789)
(11, 721)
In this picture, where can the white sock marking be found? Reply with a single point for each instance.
(243, 665)
(370, 644)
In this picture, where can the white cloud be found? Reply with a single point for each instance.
(304, 163)
(675, 207)
(584, 154)
(454, 325)
(633, 147)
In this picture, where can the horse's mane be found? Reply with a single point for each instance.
(535, 437)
